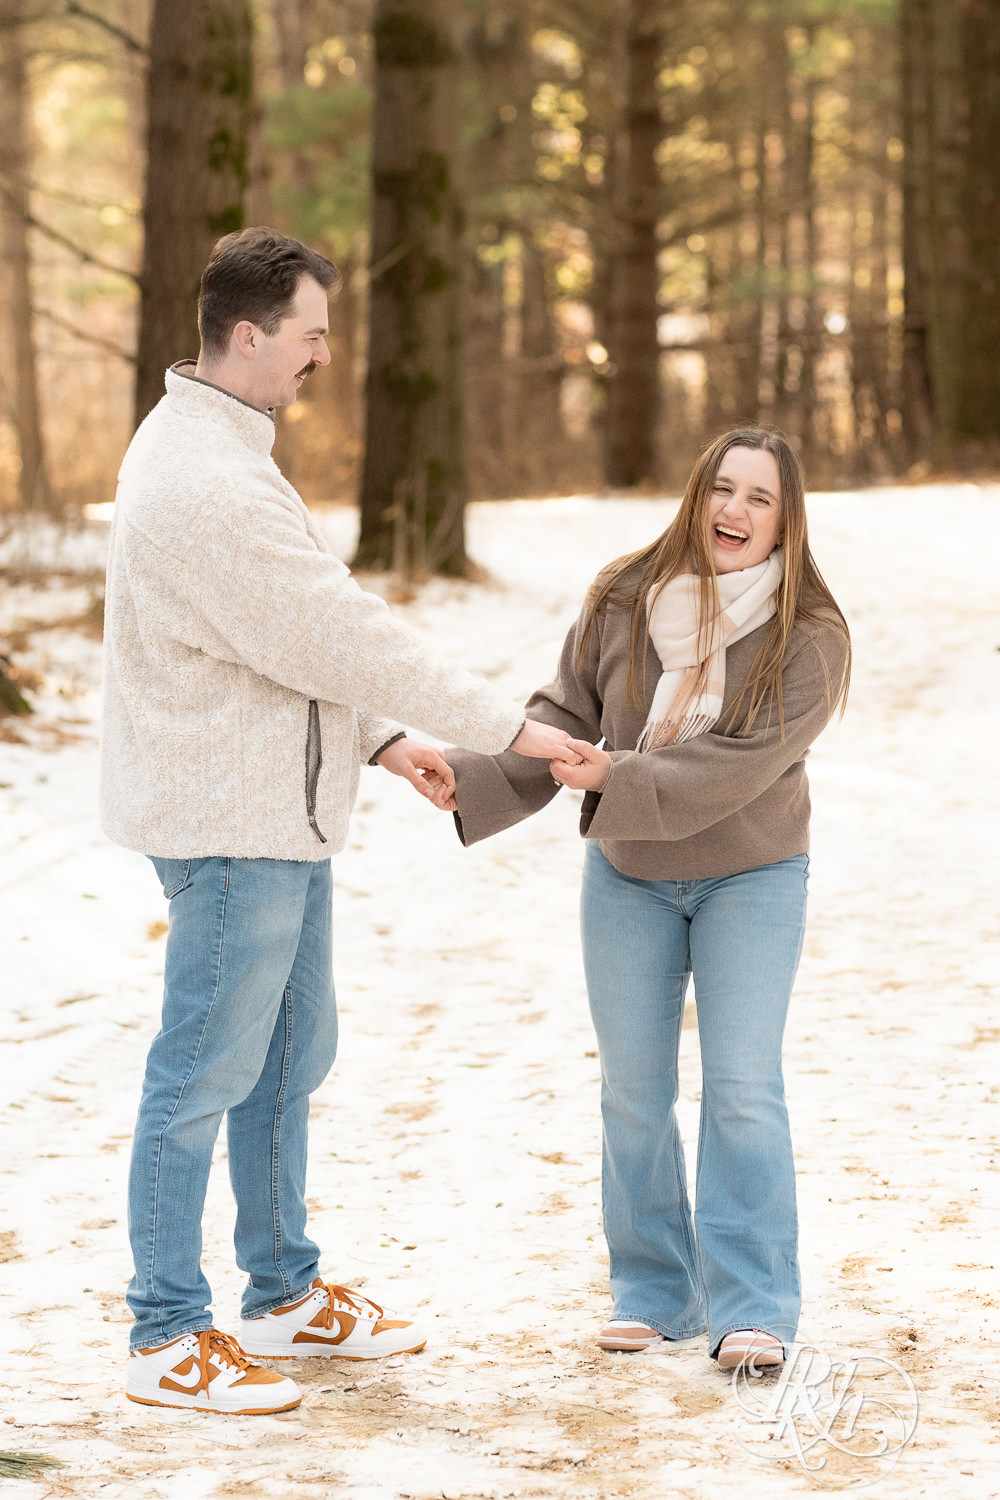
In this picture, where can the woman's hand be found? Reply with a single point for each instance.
(591, 772)
(423, 767)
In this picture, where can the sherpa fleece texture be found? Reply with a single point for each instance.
(226, 613)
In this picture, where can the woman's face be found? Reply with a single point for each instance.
(744, 509)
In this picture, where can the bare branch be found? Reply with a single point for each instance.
(79, 251)
(108, 345)
(67, 244)
(132, 43)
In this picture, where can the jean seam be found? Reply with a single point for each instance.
(276, 1141)
(180, 1092)
(689, 1241)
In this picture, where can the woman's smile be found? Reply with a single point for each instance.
(730, 538)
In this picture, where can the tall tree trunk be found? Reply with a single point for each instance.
(946, 228)
(485, 378)
(811, 324)
(413, 488)
(288, 17)
(633, 348)
(978, 418)
(291, 38)
(915, 33)
(496, 53)
(539, 416)
(773, 217)
(15, 155)
(200, 115)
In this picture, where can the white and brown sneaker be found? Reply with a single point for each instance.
(330, 1320)
(208, 1372)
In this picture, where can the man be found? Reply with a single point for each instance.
(247, 676)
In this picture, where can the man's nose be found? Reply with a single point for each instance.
(321, 355)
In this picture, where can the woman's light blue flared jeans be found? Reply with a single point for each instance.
(249, 1030)
(733, 1264)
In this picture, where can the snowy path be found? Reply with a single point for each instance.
(455, 1148)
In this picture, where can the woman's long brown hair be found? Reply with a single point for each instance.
(686, 547)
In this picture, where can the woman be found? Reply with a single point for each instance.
(707, 662)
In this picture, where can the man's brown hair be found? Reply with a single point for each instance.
(253, 276)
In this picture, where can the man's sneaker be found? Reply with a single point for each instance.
(210, 1372)
(330, 1320)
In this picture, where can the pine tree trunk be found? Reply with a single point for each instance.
(633, 348)
(15, 115)
(485, 379)
(539, 417)
(200, 116)
(917, 393)
(946, 228)
(978, 417)
(773, 216)
(811, 325)
(497, 55)
(288, 18)
(413, 488)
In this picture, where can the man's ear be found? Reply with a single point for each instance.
(243, 336)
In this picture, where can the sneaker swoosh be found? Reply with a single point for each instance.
(346, 1325)
(185, 1382)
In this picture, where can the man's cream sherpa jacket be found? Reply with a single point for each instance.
(226, 615)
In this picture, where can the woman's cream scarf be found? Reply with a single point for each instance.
(747, 601)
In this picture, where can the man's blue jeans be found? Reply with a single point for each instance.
(734, 1264)
(249, 1029)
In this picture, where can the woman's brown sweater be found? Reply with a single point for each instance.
(715, 805)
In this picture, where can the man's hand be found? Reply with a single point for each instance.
(588, 772)
(423, 767)
(545, 743)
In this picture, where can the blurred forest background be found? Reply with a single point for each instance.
(577, 237)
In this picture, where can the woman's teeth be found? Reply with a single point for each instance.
(736, 536)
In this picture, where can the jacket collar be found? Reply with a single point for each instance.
(188, 394)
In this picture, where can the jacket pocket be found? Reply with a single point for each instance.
(174, 875)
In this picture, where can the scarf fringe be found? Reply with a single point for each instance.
(660, 736)
(747, 601)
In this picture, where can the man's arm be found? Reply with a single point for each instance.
(262, 593)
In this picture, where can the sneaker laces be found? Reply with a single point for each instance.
(226, 1350)
(346, 1298)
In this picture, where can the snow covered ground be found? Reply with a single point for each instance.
(455, 1149)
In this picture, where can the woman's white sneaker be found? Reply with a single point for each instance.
(207, 1372)
(330, 1320)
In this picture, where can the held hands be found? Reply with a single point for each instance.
(426, 768)
(423, 767)
(589, 769)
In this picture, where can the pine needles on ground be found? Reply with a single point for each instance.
(24, 1465)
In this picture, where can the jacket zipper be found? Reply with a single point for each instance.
(314, 761)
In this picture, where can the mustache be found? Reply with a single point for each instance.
(307, 369)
